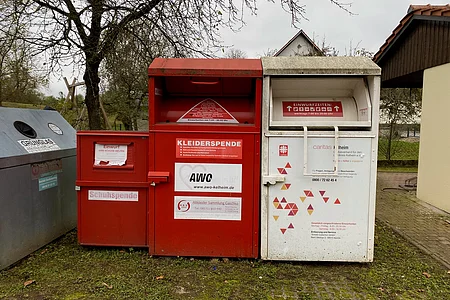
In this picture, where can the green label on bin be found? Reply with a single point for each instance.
(48, 182)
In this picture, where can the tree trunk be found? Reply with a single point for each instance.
(391, 136)
(92, 81)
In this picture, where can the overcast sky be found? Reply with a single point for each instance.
(373, 22)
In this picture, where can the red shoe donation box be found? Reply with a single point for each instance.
(113, 187)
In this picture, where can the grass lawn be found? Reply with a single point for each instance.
(400, 150)
(65, 270)
(395, 169)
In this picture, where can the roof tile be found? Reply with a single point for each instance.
(421, 10)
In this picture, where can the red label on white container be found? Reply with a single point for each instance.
(312, 109)
(283, 150)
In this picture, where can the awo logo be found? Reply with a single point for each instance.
(200, 177)
(183, 206)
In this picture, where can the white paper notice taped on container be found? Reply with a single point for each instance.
(208, 111)
(110, 155)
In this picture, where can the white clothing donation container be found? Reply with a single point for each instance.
(319, 158)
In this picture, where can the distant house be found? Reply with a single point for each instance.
(300, 45)
(417, 54)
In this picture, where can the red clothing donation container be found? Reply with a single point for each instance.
(204, 121)
(112, 184)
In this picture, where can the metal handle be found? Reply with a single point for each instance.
(272, 179)
(204, 81)
(305, 154)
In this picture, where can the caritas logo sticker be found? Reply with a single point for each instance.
(283, 150)
(312, 109)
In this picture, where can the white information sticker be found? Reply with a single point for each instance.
(113, 195)
(39, 145)
(200, 177)
(110, 155)
(207, 208)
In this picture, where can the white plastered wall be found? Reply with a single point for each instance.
(300, 46)
(434, 156)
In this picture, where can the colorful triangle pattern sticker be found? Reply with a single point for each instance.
(276, 202)
(337, 201)
(283, 230)
(308, 193)
(288, 166)
(283, 200)
(285, 186)
(326, 199)
(303, 199)
(310, 209)
(291, 226)
(322, 193)
(276, 218)
(282, 171)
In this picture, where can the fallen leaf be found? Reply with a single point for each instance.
(108, 286)
(426, 274)
(27, 283)
(43, 251)
(421, 290)
(159, 277)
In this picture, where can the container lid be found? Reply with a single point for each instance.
(318, 65)
(205, 67)
(33, 134)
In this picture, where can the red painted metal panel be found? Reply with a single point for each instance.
(107, 220)
(135, 168)
(203, 236)
(112, 200)
(188, 221)
(205, 67)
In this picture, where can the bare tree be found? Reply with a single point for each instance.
(235, 53)
(19, 80)
(397, 106)
(125, 74)
(86, 31)
(268, 52)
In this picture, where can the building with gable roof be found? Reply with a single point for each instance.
(417, 54)
(300, 45)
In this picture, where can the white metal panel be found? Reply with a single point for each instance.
(319, 218)
(356, 188)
